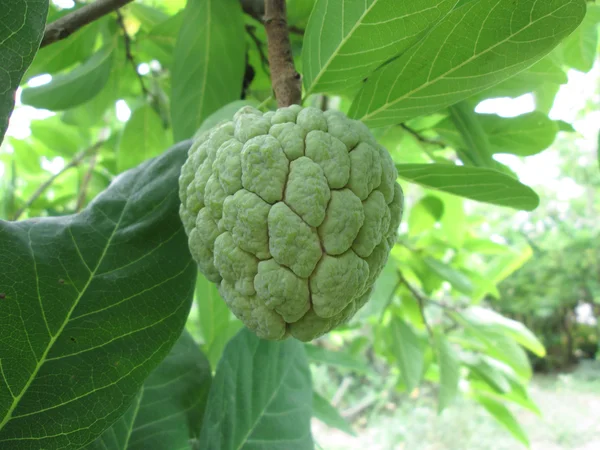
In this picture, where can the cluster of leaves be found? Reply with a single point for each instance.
(93, 300)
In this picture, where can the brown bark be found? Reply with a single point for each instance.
(67, 25)
(285, 80)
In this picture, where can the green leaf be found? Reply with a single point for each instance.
(488, 41)
(167, 413)
(91, 304)
(261, 397)
(484, 318)
(339, 359)
(476, 150)
(144, 137)
(503, 415)
(475, 183)
(345, 41)
(425, 214)
(160, 40)
(329, 415)
(457, 279)
(406, 347)
(57, 137)
(148, 16)
(75, 87)
(486, 372)
(65, 53)
(209, 65)
(524, 135)
(579, 50)
(449, 372)
(21, 29)
(217, 323)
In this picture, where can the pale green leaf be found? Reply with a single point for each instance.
(144, 137)
(580, 50)
(75, 87)
(87, 312)
(475, 183)
(484, 318)
(458, 280)
(425, 214)
(21, 29)
(261, 397)
(503, 415)
(408, 351)
(208, 65)
(473, 48)
(345, 41)
(329, 415)
(338, 358)
(449, 371)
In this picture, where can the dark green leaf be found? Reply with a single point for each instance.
(340, 359)
(329, 415)
(488, 40)
(407, 349)
(475, 183)
(345, 41)
(144, 137)
(75, 87)
(21, 29)
(476, 150)
(449, 371)
(503, 415)
(261, 397)
(208, 66)
(167, 413)
(92, 303)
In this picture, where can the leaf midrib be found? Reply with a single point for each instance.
(444, 75)
(54, 338)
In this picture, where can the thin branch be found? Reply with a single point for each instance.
(420, 299)
(85, 183)
(284, 78)
(73, 163)
(422, 138)
(70, 23)
(129, 54)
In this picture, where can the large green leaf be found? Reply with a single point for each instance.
(144, 137)
(449, 371)
(473, 48)
(408, 351)
(167, 414)
(261, 397)
(75, 87)
(476, 183)
(217, 323)
(329, 415)
(457, 279)
(91, 303)
(21, 30)
(345, 41)
(208, 66)
(523, 135)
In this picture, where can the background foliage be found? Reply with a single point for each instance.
(96, 282)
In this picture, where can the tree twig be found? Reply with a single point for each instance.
(129, 54)
(70, 23)
(73, 163)
(259, 46)
(85, 183)
(284, 78)
(422, 138)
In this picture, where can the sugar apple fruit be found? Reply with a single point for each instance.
(292, 213)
